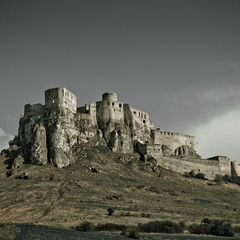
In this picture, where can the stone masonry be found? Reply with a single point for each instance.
(54, 132)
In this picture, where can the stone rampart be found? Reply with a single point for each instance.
(34, 110)
(173, 140)
(208, 167)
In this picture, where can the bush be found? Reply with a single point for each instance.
(134, 234)
(182, 224)
(110, 211)
(213, 227)
(200, 229)
(189, 174)
(236, 229)
(85, 227)
(161, 227)
(130, 234)
(227, 178)
(200, 175)
(218, 178)
(110, 227)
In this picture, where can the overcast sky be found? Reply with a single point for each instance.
(178, 60)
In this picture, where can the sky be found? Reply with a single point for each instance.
(178, 60)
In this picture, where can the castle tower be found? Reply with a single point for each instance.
(111, 97)
(58, 98)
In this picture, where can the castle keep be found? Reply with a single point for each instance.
(55, 131)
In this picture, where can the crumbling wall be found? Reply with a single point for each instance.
(180, 165)
(87, 112)
(173, 140)
(139, 123)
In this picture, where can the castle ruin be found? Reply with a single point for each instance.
(54, 132)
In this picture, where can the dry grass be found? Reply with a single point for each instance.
(66, 197)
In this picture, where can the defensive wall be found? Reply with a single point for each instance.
(173, 140)
(209, 167)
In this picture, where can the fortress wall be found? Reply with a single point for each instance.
(224, 165)
(87, 112)
(117, 112)
(173, 140)
(57, 98)
(140, 118)
(235, 169)
(155, 149)
(36, 110)
(182, 166)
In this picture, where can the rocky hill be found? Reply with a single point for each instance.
(138, 192)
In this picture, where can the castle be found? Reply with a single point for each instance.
(54, 132)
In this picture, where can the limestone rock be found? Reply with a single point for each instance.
(38, 154)
(17, 162)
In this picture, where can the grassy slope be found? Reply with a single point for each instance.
(66, 197)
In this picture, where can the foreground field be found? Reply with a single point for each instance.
(31, 232)
(101, 180)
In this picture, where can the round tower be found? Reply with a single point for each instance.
(111, 97)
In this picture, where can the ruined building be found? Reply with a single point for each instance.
(54, 132)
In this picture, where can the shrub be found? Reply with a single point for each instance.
(110, 227)
(236, 229)
(134, 234)
(207, 221)
(146, 215)
(182, 224)
(161, 227)
(227, 178)
(85, 227)
(110, 211)
(130, 234)
(200, 175)
(221, 229)
(200, 229)
(213, 227)
(189, 174)
(218, 178)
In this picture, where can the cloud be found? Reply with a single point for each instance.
(4, 139)
(220, 136)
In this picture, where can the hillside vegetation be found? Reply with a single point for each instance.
(135, 191)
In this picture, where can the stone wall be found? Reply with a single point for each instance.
(58, 98)
(173, 140)
(209, 167)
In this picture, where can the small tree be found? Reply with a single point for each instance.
(110, 211)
